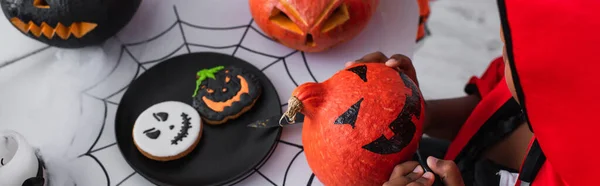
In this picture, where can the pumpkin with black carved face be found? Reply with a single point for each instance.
(312, 25)
(224, 93)
(69, 23)
(359, 124)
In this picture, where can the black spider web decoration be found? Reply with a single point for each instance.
(141, 68)
(17, 59)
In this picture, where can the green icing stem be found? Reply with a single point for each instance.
(206, 73)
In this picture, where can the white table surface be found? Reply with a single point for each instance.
(64, 101)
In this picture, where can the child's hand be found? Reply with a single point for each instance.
(410, 173)
(397, 61)
(446, 170)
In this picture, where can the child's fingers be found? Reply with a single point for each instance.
(447, 170)
(405, 65)
(403, 62)
(404, 179)
(405, 168)
(376, 57)
(425, 180)
(350, 63)
(392, 63)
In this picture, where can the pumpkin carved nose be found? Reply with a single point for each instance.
(309, 40)
(41, 4)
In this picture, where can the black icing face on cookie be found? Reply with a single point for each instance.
(224, 90)
(183, 124)
(166, 125)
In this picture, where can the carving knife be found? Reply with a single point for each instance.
(277, 121)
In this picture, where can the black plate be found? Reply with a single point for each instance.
(225, 153)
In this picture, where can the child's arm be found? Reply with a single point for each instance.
(445, 117)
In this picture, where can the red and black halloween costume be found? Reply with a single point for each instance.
(555, 71)
(496, 116)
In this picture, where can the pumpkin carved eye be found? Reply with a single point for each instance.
(339, 16)
(41, 4)
(283, 20)
(227, 79)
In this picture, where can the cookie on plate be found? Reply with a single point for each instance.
(225, 93)
(167, 131)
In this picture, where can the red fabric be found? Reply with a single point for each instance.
(546, 176)
(518, 183)
(557, 67)
(424, 12)
(490, 78)
(494, 93)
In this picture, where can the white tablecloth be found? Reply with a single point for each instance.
(64, 101)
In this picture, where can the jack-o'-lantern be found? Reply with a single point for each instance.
(359, 124)
(224, 93)
(312, 25)
(69, 23)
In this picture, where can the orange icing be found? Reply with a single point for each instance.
(220, 106)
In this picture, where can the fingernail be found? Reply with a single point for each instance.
(428, 175)
(432, 161)
(392, 62)
(418, 169)
(349, 63)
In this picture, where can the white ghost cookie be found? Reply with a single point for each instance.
(167, 131)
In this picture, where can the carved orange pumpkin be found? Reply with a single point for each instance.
(312, 25)
(359, 124)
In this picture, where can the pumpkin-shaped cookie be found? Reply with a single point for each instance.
(224, 93)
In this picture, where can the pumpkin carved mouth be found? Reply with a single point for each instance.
(77, 29)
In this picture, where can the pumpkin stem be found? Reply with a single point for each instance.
(294, 107)
(204, 74)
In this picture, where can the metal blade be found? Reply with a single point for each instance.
(276, 121)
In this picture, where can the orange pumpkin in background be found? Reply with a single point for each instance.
(312, 25)
(359, 124)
